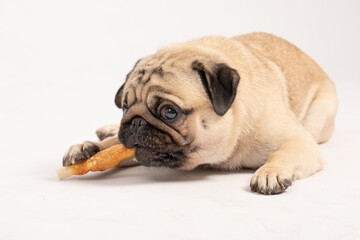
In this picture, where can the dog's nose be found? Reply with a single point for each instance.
(137, 123)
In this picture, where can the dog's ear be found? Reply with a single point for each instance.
(118, 96)
(220, 82)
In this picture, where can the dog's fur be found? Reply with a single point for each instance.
(251, 101)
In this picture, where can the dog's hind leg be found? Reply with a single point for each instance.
(319, 119)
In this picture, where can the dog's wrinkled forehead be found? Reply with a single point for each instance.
(137, 82)
(144, 70)
(166, 76)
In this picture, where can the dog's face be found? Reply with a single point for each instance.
(177, 109)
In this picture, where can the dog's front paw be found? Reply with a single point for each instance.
(270, 180)
(79, 152)
(107, 131)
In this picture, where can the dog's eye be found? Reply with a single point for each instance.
(168, 113)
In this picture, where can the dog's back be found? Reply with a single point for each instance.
(304, 76)
(311, 93)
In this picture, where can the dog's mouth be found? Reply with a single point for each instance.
(155, 158)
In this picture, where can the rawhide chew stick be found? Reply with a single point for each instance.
(102, 160)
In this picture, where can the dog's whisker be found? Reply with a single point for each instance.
(199, 155)
(172, 155)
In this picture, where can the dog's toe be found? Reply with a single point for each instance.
(90, 149)
(270, 180)
(80, 152)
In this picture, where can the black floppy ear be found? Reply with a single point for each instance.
(118, 96)
(220, 82)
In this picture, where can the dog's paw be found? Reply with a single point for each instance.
(79, 152)
(270, 180)
(107, 131)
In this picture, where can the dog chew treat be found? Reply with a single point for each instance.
(102, 160)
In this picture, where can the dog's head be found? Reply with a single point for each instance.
(177, 109)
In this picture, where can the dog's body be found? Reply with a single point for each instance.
(251, 101)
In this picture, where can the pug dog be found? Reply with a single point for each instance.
(251, 101)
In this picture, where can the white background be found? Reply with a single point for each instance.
(61, 63)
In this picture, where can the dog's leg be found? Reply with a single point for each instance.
(80, 152)
(297, 157)
(107, 131)
(319, 119)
